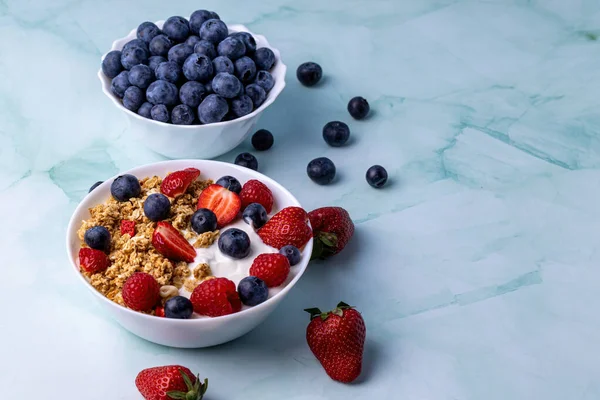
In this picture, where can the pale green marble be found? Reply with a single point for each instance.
(476, 269)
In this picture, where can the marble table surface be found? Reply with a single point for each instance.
(476, 269)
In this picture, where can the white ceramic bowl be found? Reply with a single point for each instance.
(196, 141)
(202, 331)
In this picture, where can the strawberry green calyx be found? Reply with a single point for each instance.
(324, 245)
(195, 390)
(338, 310)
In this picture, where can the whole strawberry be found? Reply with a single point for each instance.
(337, 339)
(170, 382)
(288, 226)
(216, 297)
(93, 261)
(332, 230)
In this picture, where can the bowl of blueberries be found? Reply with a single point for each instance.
(192, 88)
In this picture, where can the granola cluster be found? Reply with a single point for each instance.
(136, 254)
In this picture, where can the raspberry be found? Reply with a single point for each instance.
(159, 311)
(272, 268)
(216, 297)
(141, 292)
(255, 191)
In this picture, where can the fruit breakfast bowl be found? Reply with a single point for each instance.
(119, 218)
(185, 134)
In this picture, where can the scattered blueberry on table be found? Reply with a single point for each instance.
(95, 185)
(309, 73)
(377, 176)
(262, 140)
(358, 107)
(247, 160)
(321, 170)
(336, 133)
(161, 62)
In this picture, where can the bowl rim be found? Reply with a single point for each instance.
(72, 228)
(272, 95)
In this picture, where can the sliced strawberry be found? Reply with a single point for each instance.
(128, 227)
(92, 260)
(176, 183)
(170, 243)
(223, 202)
(255, 191)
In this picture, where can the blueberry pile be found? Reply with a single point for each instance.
(191, 72)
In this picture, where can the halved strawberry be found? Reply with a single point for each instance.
(176, 183)
(170, 243)
(92, 260)
(223, 202)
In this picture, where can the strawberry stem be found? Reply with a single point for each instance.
(324, 245)
(195, 390)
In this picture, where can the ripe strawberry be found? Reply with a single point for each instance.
(272, 268)
(170, 243)
(332, 230)
(223, 202)
(337, 339)
(128, 227)
(170, 382)
(92, 260)
(288, 226)
(216, 297)
(141, 292)
(159, 311)
(176, 183)
(255, 191)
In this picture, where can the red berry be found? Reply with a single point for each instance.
(170, 243)
(128, 227)
(216, 297)
(176, 183)
(141, 292)
(170, 382)
(332, 230)
(223, 202)
(272, 268)
(255, 191)
(159, 311)
(288, 226)
(92, 260)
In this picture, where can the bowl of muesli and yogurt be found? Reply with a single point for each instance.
(166, 251)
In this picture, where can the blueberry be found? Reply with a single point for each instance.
(160, 112)
(321, 170)
(141, 76)
(223, 64)
(213, 30)
(155, 61)
(264, 58)
(234, 243)
(212, 109)
(97, 237)
(160, 45)
(197, 18)
(135, 43)
(168, 71)
(162, 92)
(203, 220)
(226, 85)
(255, 215)
(125, 187)
(377, 176)
(180, 52)
(133, 56)
(191, 93)
(257, 94)
(336, 133)
(262, 140)
(229, 182)
(245, 69)
(265, 80)
(133, 98)
(144, 110)
(111, 65)
(214, 15)
(208, 87)
(192, 41)
(95, 185)
(198, 67)
(252, 291)
(147, 31)
(248, 40)
(157, 207)
(247, 160)
(309, 73)
(241, 106)
(182, 115)
(120, 83)
(176, 28)
(231, 47)
(206, 48)
(178, 307)
(292, 253)
(358, 107)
